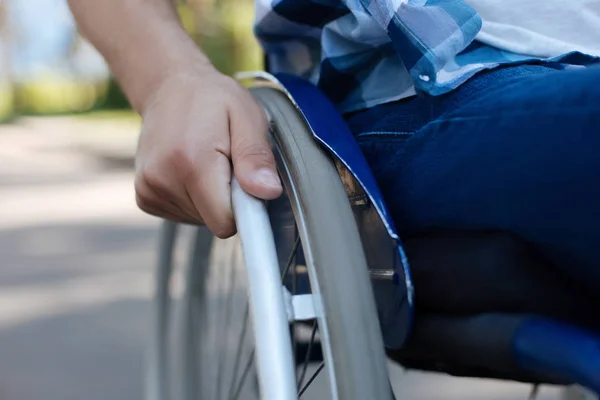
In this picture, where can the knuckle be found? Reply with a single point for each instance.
(138, 184)
(223, 230)
(150, 177)
(229, 89)
(239, 97)
(176, 163)
(144, 204)
(231, 84)
(178, 158)
(256, 150)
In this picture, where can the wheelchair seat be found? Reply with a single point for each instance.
(489, 306)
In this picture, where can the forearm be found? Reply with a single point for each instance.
(142, 41)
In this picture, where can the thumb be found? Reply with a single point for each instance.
(251, 154)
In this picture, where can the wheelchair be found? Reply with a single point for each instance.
(318, 286)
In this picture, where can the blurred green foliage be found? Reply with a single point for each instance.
(230, 43)
(58, 96)
(222, 28)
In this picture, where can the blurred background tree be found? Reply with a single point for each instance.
(73, 79)
(6, 88)
(223, 28)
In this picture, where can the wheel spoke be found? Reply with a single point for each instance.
(291, 258)
(244, 375)
(224, 312)
(222, 320)
(212, 297)
(238, 351)
(308, 352)
(312, 378)
(196, 309)
(229, 312)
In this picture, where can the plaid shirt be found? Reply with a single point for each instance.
(366, 52)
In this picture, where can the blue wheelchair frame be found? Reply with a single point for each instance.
(558, 352)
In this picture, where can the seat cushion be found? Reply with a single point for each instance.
(473, 292)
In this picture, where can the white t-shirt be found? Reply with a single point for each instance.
(540, 28)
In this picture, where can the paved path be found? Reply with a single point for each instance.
(75, 269)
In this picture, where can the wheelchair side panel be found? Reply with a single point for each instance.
(330, 129)
(383, 248)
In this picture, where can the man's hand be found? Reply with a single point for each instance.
(196, 126)
(197, 123)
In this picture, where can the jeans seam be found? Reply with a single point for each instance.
(384, 133)
(545, 112)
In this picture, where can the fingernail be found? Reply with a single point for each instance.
(268, 178)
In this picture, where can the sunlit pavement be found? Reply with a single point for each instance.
(76, 258)
(75, 264)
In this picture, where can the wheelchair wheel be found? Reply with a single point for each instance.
(215, 351)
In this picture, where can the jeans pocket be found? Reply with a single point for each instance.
(381, 149)
(388, 134)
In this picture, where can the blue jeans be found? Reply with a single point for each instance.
(515, 149)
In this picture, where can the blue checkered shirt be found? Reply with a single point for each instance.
(366, 52)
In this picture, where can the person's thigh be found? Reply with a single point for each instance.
(521, 156)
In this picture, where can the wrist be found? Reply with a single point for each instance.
(180, 84)
(153, 62)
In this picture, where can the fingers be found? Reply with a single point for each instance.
(191, 136)
(201, 197)
(156, 199)
(210, 192)
(252, 157)
(186, 176)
